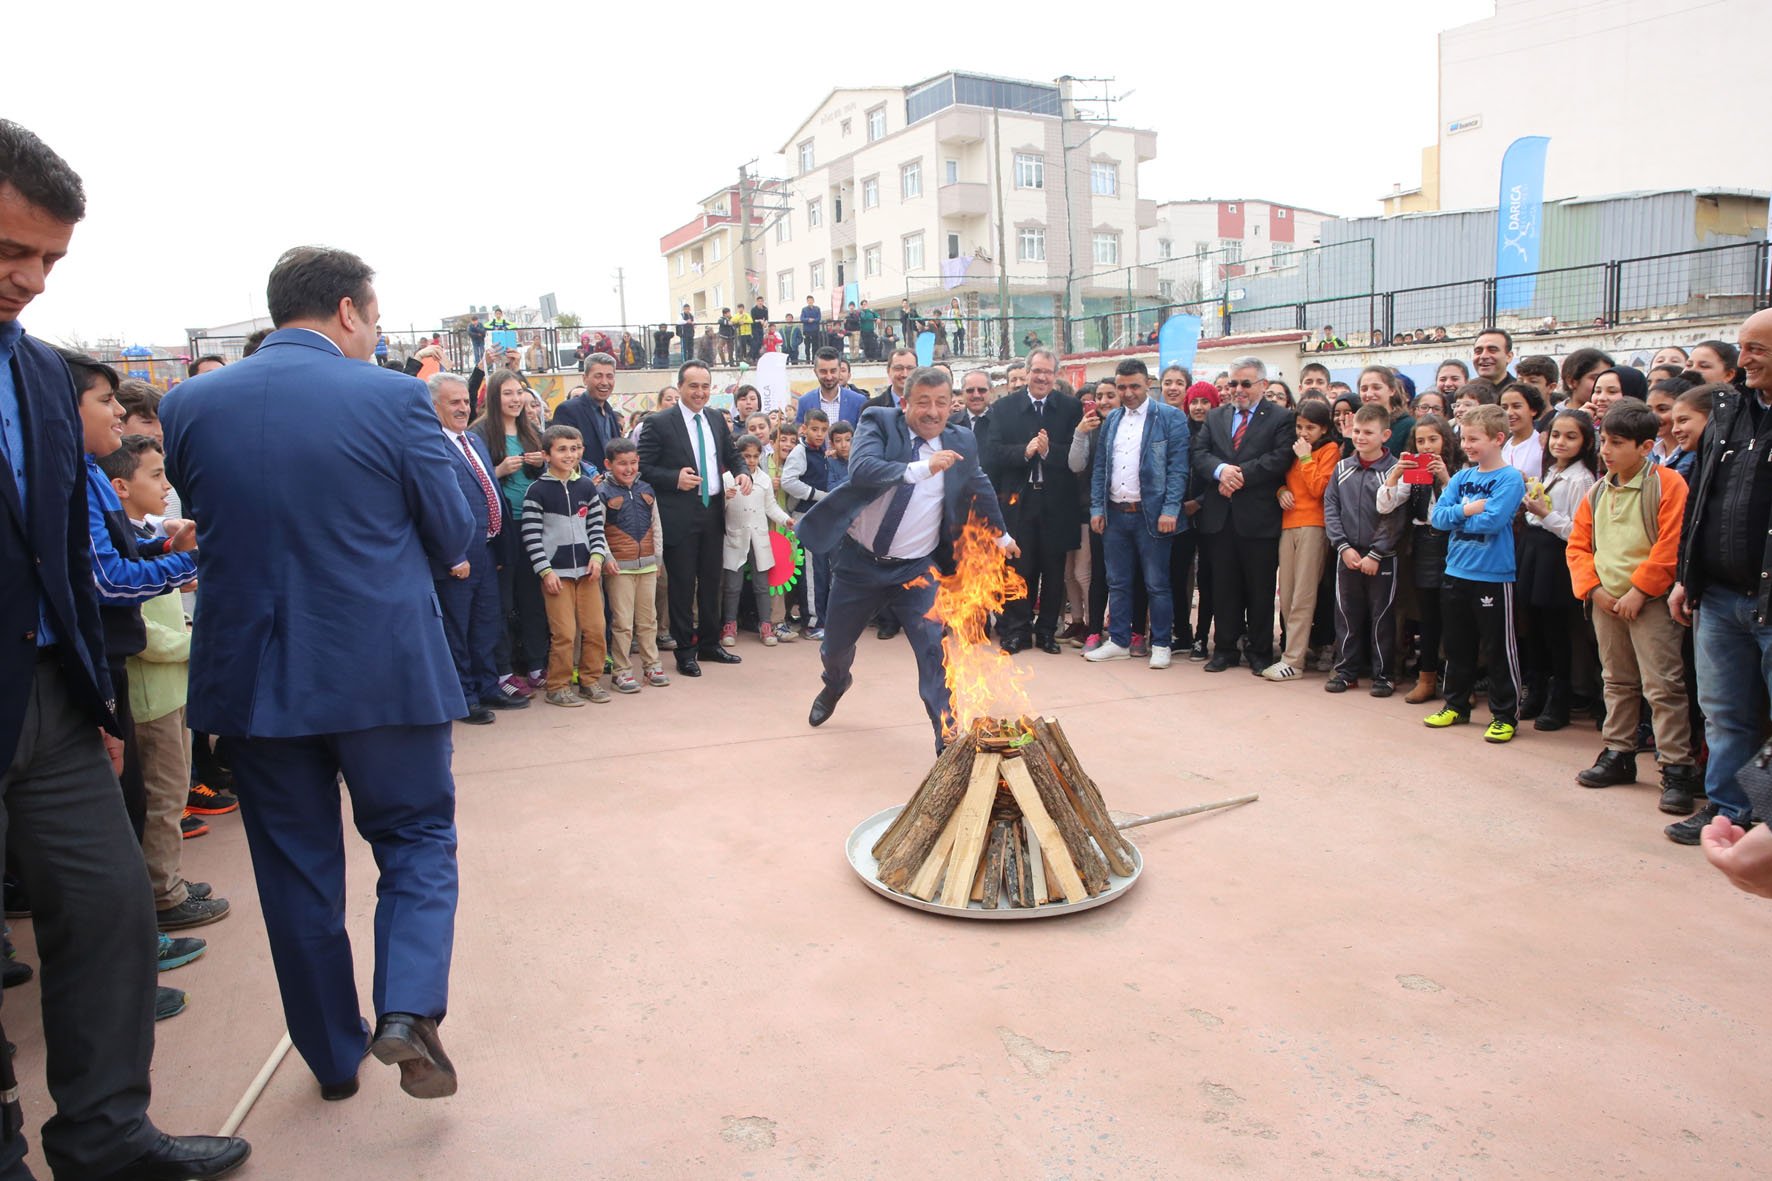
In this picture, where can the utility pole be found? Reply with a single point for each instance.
(1070, 229)
(747, 256)
(621, 294)
(1003, 322)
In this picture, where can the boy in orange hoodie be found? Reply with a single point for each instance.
(1303, 548)
(1623, 556)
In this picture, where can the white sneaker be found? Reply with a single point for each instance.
(1159, 657)
(1279, 671)
(1107, 650)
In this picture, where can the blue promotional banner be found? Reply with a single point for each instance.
(851, 294)
(1518, 220)
(926, 348)
(1177, 342)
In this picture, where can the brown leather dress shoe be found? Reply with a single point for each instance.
(410, 1042)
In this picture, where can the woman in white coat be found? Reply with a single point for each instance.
(748, 517)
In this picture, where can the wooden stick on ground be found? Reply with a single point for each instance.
(1052, 840)
(969, 837)
(1091, 808)
(1195, 810)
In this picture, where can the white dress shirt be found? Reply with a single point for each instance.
(920, 529)
(1527, 455)
(693, 422)
(1123, 484)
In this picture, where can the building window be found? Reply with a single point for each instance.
(815, 275)
(784, 228)
(806, 156)
(910, 180)
(913, 254)
(1107, 250)
(870, 193)
(950, 172)
(1231, 207)
(784, 287)
(718, 302)
(870, 262)
(1166, 290)
(1165, 248)
(682, 262)
(846, 127)
(953, 246)
(1280, 213)
(877, 124)
(1280, 249)
(1104, 180)
(1255, 230)
(719, 249)
(1202, 249)
(815, 213)
(1030, 171)
(1233, 250)
(1030, 245)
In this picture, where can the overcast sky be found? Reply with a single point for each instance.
(481, 154)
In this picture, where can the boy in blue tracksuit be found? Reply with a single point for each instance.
(1477, 597)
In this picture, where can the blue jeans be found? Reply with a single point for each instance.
(1734, 658)
(1127, 540)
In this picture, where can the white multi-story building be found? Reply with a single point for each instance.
(704, 259)
(1196, 245)
(1621, 114)
(923, 192)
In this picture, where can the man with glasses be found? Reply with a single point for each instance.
(1243, 458)
(1027, 459)
(975, 404)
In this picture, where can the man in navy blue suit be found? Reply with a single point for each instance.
(839, 403)
(913, 483)
(473, 618)
(323, 492)
(60, 805)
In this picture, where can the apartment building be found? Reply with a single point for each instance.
(1194, 246)
(704, 258)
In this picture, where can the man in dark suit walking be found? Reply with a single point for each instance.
(1026, 456)
(913, 483)
(686, 454)
(323, 492)
(473, 615)
(61, 810)
(1242, 455)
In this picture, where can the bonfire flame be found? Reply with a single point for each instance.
(983, 682)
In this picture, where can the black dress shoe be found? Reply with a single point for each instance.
(719, 656)
(887, 630)
(15, 972)
(687, 665)
(1219, 663)
(1011, 646)
(479, 715)
(333, 1092)
(410, 1041)
(825, 704)
(175, 1158)
(500, 701)
(1048, 644)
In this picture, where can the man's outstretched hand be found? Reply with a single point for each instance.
(1744, 857)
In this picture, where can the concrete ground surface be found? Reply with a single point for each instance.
(1417, 956)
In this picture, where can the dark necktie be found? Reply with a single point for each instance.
(1037, 474)
(1242, 426)
(493, 516)
(901, 500)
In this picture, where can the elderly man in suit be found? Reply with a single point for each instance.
(1242, 456)
(473, 615)
(973, 412)
(323, 493)
(914, 481)
(1025, 454)
(1137, 485)
(686, 454)
(839, 403)
(61, 812)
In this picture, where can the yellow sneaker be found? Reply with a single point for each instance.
(1446, 717)
(1499, 731)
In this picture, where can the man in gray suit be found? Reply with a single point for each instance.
(914, 481)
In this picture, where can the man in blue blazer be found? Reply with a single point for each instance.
(473, 617)
(61, 810)
(914, 481)
(1137, 486)
(323, 492)
(838, 401)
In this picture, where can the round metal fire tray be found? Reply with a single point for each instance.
(861, 858)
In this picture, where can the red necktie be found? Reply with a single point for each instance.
(492, 513)
(1237, 438)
